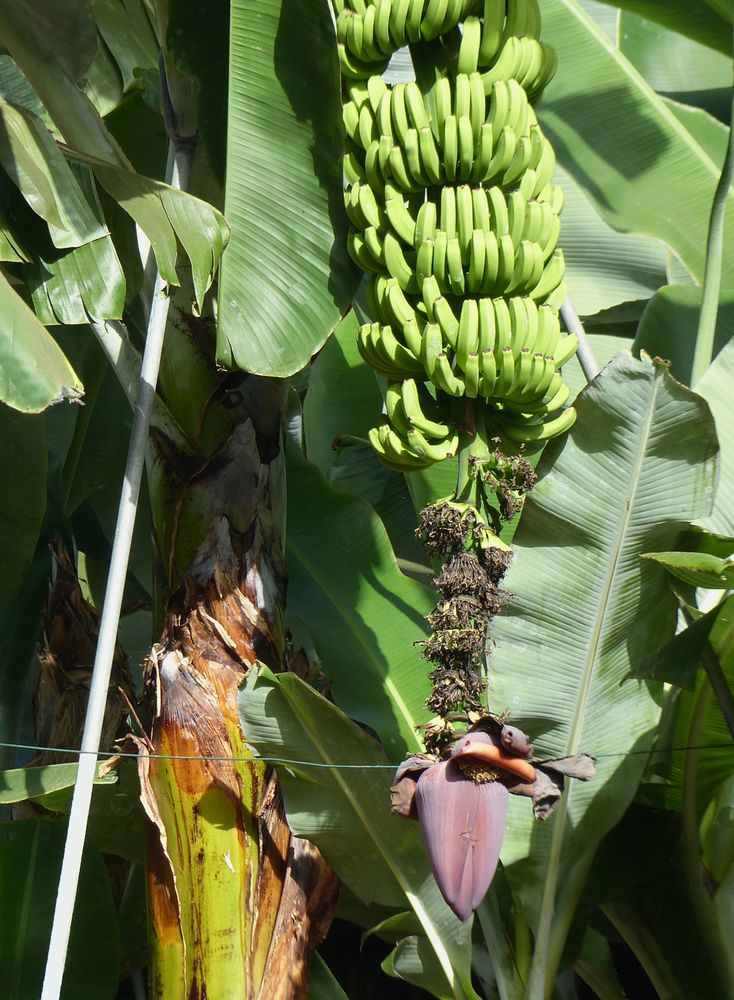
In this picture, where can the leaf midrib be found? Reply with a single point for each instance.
(579, 717)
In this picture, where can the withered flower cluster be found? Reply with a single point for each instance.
(459, 789)
(474, 562)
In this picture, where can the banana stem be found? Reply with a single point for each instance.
(712, 272)
(472, 447)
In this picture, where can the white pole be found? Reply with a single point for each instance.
(69, 880)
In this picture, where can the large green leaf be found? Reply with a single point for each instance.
(364, 616)
(24, 461)
(584, 608)
(287, 277)
(668, 329)
(82, 283)
(705, 23)
(30, 156)
(126, 30)
(21, 783)
(604, 267)
(644, 171)
(33, 371)
(30, 861)
(669, 325)
(345, 811)
(677, 66)
(166, 214)
(64, 27)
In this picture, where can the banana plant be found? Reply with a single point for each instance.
(251, 250)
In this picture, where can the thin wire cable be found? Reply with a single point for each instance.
(311, 763)
(127, 511)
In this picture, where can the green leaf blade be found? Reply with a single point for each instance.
(639, 466)
(286, 278)
(623, 144)
(364, 616)
(33, 370)
(378, 855)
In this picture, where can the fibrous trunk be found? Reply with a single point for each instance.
(236, 903)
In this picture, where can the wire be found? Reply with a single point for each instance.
(334, 766)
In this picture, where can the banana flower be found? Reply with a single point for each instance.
(461, 804)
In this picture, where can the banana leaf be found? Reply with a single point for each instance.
(621, 142)
(30, 861)
(33, 370)
(345, 811)
(677, 66)
(287, 277)
(365, 618)
(638, 467)
(707, 23)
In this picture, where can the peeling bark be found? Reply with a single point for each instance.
(61, 692)
(237, 903)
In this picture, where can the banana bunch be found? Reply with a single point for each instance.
(455, 217)
(501, 44)
(465, 134)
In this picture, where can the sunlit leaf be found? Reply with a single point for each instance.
(644, 172)
(31, 158)
(33, 371)
(707, 23)
(287, 277)
(697, 568)
(637, 467)
(675, 65)
(37, 782)
(346, 812)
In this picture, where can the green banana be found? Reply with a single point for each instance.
(467, 340)
(450, 147)
(464, 219)
(416, 401)
(492, 27)
(446, 379)
(440, 244)
(527, 433)
(398, 215)
(455, 267)
(462, 95)
(397, 265)
(419, 444)
(393, 451)
(429, 155)
(471, 41)
(425, 223)
(551, 278)
(465, 154)
(481, 164)
(566, 349)
(415, 106)
(477, 260)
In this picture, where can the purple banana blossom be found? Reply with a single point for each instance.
(461, 803)
(463, 824)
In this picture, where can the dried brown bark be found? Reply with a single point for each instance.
(216, 936)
